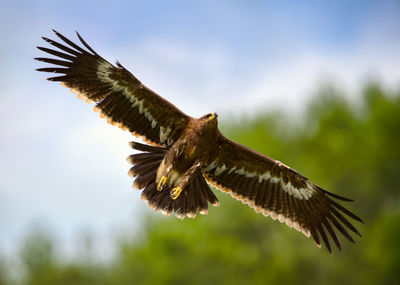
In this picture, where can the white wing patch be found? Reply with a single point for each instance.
(274, 215)
(210, 167)
(164, 133)
(104, 70)
(219, 170)
(299, 193)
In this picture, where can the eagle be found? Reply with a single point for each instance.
(184, 155)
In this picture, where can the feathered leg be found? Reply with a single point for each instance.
(188, 178)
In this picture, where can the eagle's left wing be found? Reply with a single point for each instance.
(278, 191)
(119, 96)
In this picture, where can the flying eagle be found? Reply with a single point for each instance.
(183, 153)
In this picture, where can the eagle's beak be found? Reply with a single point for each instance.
(213, 116)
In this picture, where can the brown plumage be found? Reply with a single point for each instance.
(186, 152)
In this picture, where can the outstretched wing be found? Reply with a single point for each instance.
(278, 191)
(119, 96)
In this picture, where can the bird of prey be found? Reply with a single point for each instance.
(183, 153)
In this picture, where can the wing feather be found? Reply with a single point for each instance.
(119, 96)
(280, 192)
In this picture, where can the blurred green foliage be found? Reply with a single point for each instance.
(352, 149)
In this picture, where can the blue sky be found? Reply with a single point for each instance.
(63, 167)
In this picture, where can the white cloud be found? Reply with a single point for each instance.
(200, 81)
(289, 85)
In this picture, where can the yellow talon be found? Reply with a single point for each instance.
(162, 183)
(175, 193)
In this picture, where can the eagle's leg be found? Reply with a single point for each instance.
(188, 177)
(167, 165)
(164, 171)
(162, 174)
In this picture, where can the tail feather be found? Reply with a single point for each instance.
(149, 191)
(141, 169)
(208, 193)
(148, 148)
(164, 203)
(202, 205)
(144, 157)
(142, 181)
(191, 207)
(194, 197)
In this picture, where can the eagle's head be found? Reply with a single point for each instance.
(209, 121)
(210, 118)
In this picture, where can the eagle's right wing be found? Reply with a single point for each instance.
(276, 190)
(119, 96)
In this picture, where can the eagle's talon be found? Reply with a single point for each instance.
(175, 193)
(162, 183)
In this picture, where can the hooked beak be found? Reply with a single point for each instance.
(213, 116)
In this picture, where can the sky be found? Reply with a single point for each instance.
(64, 169)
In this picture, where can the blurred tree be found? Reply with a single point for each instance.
(384, 255)
(37, 255)
(3, 274)
(43, 267)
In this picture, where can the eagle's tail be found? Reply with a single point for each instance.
(195, 196)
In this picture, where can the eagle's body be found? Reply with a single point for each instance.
(186, 158)
(185, 152)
